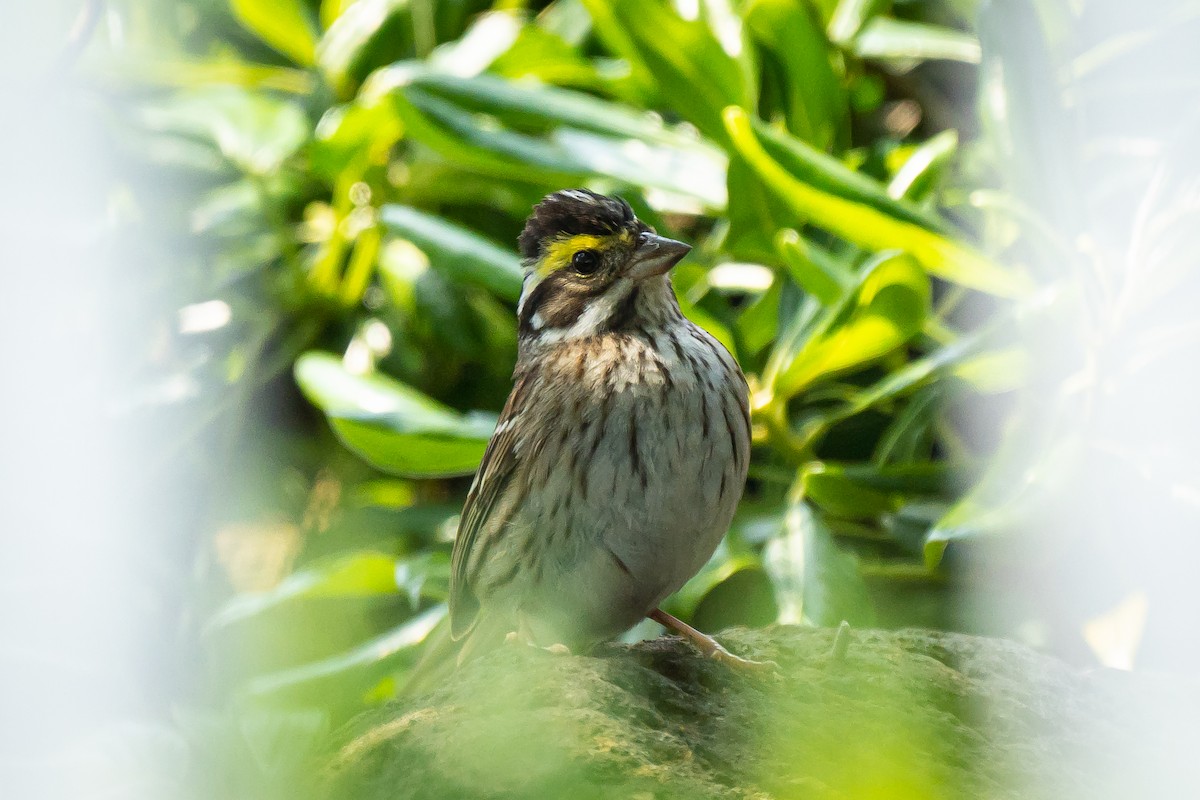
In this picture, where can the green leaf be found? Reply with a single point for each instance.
(869, 222)
(283, 24)
(698, 65)
(815, 99)
(543, 108)
(393, 426)
(917, 175)
(824, 172)
(849, 17)
(864, 491)
(346, 678)
(814, 271)
(365, 574)
(1014, 491)
(814, 579)
(720, 567)
(552, 136)
(367, 34)
(887, 38)
(888, 308)
(461, 137)
(965, 350)
(830, 489)
(754, 215)
(457, 252)
(254, 131)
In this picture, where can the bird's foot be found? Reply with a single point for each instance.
(523, 636)
(707, 644)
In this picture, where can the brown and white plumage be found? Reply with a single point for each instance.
(622, 451)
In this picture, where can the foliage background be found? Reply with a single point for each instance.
(913, 224)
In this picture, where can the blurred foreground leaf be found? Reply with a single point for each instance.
(283, 24)
(355, 575)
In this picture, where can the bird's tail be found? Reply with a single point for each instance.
(443, 653)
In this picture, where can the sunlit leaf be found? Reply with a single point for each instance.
(816, 101)
(283, 24)
(816, 273)
(553, 135)
(391, 425)
(815, 579)
(346, 678)
(457, 252)
(887, 309)
(367, 34)
(699, 65)
(254, 131)
(849, 17)
(869, 224)
(889, 38)
(354, 575)
(862, 491)
(920, 170)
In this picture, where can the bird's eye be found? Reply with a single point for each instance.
(585, 262)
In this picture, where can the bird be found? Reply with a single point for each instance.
(621, 454)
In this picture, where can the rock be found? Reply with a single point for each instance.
(908, 714)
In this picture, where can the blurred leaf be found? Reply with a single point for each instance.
(489, 37)
(890, 38)
(699, 65)
(816, 100)
(859, 491)
(720, 567)
(283, 24)
(813, 576)
(351, 137)
(543, 54)
(830, 489)
(869, 223)
(1025, 114)
(754, 215)
(362, 574)
(909, 438)
(457, 252)
(367, 34)
(831, 175)
(747, 597)
(820, 276)
(458, 135)
(543, 108)
(254, 131)
(345, 679)
(1012, 491)
(888, 308)
(554, 135)
(920, 170)
(391, 425)
(849, 17)
(995, 371)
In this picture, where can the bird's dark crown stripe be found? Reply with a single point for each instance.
(573, 212)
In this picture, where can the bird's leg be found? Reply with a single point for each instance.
(707, 644)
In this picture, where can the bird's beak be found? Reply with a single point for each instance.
(655, 255)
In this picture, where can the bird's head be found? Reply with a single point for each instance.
(592, 266)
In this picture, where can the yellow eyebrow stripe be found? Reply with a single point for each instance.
(560, 251)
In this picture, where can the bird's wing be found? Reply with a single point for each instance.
(495, 475)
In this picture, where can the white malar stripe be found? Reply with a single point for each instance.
(590, 321)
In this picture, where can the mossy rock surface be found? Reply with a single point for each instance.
(908, 714)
